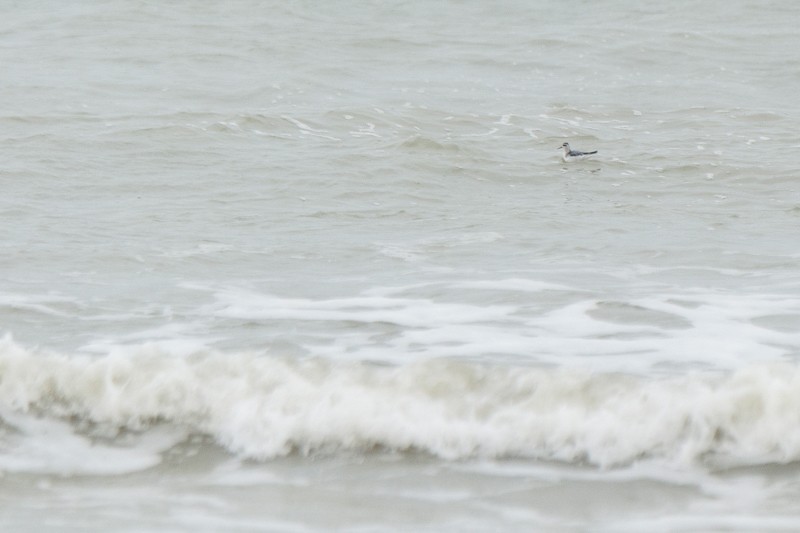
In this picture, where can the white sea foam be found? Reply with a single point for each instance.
(48, 445)
(42, 304)
(263, 407)
(531, 322)
(513, 284)
(406, 312)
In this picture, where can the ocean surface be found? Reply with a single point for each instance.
(313, 266)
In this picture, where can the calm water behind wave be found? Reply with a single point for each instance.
(223, 224)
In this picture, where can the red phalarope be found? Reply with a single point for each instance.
(574, 155)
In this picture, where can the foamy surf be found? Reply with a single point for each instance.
(261, 407)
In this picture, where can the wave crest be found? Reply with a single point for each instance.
(263, 407)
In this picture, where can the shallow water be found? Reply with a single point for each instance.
(294, 267)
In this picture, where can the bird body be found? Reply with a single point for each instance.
(573, 155)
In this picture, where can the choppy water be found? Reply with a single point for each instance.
(303, 266)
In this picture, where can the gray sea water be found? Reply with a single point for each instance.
(305, 266)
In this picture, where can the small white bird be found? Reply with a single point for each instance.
(574, 155)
